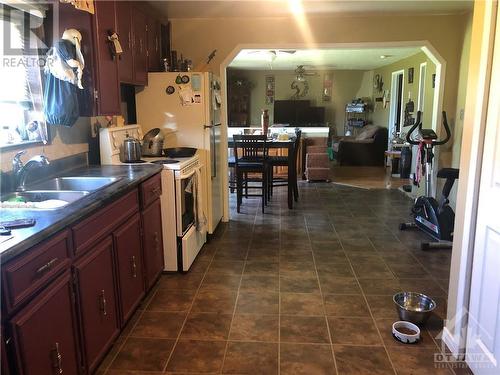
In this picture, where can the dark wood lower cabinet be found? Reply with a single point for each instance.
(97, 301)
(44, 332)
(152, 242)
(127, 242)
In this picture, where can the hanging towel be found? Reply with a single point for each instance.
(193, 187)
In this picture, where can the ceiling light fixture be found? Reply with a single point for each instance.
(385, 56)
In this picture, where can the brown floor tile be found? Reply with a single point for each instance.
(372, 271)
(362, 360)
(382, 307)
(299, 283)
(199, 265)
(355, 331)
(339, 285)
(256, 327)
(259, 283)
(258, 303)
(353, 305)
(215, 282)
(427, 287)
(231, 253)
(326, 257)
(293, 268)
(251, 358)
(220, 301)
(411, 360)
(306, 359)
(123, 372)
(301, 304)
(291, 256)
(197, 356)
(409, 271)
(178, 281)
(325, 245)
(206, 326)
(335, 270)
(356, 244)
(380, 287)
(155, 324)
(171, 300)
(385, 328)
(226, 267)
(143, 354)
(261, 268)
(303, 329)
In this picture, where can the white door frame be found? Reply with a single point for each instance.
(425, 46)
(393, 103)
(479, 74)
(421, 86)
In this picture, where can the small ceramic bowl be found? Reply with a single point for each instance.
(401, 331)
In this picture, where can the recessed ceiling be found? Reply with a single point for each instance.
(324, 59)
(280, 8)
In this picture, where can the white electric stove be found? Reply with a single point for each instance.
(182, 241)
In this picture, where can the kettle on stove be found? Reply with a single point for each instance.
(152, 143)
(131, 150)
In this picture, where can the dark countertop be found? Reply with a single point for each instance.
(49, 222)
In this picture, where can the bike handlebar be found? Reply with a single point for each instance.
(434, 142)
(417, 123)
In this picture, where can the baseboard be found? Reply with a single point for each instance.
(452, 344)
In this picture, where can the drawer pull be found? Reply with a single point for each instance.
(47, 266)
(134, 268)
(157, 241)
(57, 360)
(104, 303)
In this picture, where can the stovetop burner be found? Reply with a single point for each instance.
(165, 161)
(136, 162)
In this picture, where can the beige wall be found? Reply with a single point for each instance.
(346, 85)
(380, 114)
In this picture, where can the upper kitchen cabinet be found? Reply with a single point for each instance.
(107, 92)
(154, 45)
(124, 23)
(140, 49)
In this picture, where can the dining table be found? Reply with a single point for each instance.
(288, 144)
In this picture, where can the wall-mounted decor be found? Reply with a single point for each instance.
(410, 75)
(269, 89)
(434, 80)
(327, 87)
(301, 89)
(378, 84)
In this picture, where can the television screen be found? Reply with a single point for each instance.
(312, 116)
(288, 111)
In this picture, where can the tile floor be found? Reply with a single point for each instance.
(303, 291)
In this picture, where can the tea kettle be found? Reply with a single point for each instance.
(131, 150)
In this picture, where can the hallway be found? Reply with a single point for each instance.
(302, 291)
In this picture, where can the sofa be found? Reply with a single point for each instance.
(366, 149)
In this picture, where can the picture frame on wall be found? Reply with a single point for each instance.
(411, 71)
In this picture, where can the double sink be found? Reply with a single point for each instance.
(58, 192)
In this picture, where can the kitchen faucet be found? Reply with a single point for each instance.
(21, 170)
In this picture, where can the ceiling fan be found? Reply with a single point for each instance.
(302, 73)
(273, 53)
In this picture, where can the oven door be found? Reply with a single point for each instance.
(184, 203)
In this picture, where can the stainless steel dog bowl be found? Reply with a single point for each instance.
(414, 307)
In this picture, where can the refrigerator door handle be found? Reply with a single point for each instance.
(214, 151)
(208, 126)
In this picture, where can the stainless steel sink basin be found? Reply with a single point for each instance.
(43, 199)
(89, 184)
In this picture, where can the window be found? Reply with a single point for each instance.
(21, 97)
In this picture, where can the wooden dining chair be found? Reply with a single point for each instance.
(282, 161)
(250, 159)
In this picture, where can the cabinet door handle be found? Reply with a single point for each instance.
(129, 41)
(47, 266)
(57, 359)
(104, 303)
(157, 241)
(134, 268)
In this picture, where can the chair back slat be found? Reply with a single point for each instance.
(250, 148)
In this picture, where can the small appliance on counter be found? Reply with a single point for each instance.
(152, 143)
(131, 150)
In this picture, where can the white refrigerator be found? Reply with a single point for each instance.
(186, 106)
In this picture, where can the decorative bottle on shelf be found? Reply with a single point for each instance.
(264, 121)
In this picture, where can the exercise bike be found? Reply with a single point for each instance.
(432, 217)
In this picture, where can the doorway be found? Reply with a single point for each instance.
(396, 103)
